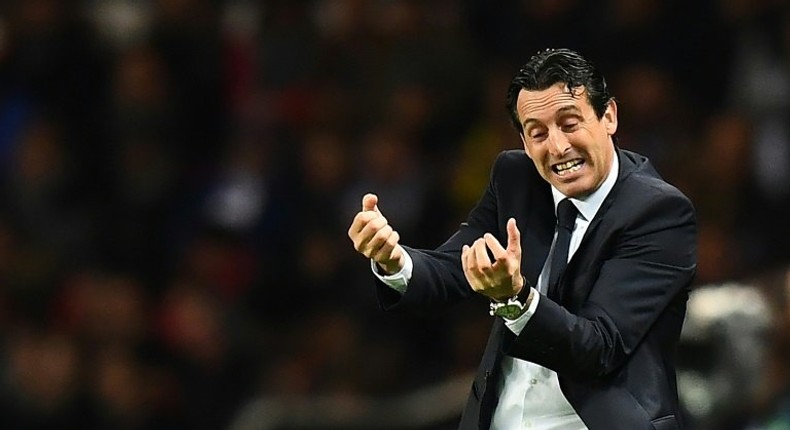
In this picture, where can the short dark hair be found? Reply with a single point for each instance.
(552, 66)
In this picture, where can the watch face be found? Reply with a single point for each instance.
(509, 311)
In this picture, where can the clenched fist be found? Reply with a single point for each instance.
(374, 238)
(501, 279)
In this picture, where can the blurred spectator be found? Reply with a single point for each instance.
(42, 384)
(760, 91)
(723, 193)
(178, 177)
(490, 134)
(772, 402)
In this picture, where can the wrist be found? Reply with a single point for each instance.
(391, 267)
(518, 288)
(512, 307)
(521, 283)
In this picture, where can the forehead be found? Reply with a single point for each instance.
(545, 103)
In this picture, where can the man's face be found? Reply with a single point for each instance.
(571, 148)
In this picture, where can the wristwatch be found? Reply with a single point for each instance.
(509, 310)
(512, 308)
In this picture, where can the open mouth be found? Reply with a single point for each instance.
(567, 167)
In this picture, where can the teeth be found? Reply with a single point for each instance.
(568, 166)
(564, 166)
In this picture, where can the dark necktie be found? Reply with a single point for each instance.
(566, 218)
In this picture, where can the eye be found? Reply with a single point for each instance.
(569, 126)
(537, 134)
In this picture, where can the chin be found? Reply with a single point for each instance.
(574, 191)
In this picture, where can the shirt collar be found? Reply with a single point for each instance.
(588, 206)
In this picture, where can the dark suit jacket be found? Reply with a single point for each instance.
(611, 330)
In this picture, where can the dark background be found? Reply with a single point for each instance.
(177, 178)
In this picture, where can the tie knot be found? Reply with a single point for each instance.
(566, 214)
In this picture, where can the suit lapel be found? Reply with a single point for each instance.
(627, 167)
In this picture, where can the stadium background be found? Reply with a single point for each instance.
(177, 178)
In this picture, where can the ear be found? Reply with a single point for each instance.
(610, 117)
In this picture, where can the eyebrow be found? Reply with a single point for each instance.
(560, 111)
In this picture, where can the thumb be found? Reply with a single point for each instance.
(513, 236)
(370, 202)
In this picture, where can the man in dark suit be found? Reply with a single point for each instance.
(586, 254)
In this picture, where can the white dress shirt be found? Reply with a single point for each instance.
(529, 394)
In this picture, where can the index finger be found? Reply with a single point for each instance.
(360, 221)
(497, 250)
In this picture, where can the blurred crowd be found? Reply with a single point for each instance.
(177, 178)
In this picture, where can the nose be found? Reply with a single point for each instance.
(558, 144)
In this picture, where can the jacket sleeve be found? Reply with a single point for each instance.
(651, 264)
(437, 279)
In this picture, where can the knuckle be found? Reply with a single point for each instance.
(369, 220)
(357, 243)
(382, 235)
(384, 250)
(371, 229)
(378, 225)
(363, 217)
(374, 245)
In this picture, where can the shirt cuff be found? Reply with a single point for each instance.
(397, 281)
(518, 324)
